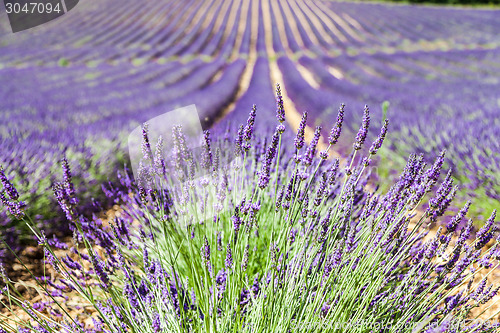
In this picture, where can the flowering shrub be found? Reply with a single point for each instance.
(282, 240)
(122, 72)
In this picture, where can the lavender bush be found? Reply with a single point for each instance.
(76, 90)
(286, 239)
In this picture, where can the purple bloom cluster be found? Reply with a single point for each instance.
(319, 239)
(110, 92)
(363, 130)
(272, 149)
(311, 149)
(7, 186)
(299, 139)
(280, 109)
(337, 128)
(249, 128)
(380, 139)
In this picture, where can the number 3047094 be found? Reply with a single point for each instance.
(32, 8)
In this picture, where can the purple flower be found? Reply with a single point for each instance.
(244, 261)
(279, 198)
(249, 128)
(292, 235)
(380, 139)
(453, 302)
(320, 193)
(280, 110)
(7, 185)
(446, 201)
(305, 205)
(265, 173)
(337, 128)
(64, 201)
(487, 231)
(325, 309)
(206, 156)
(180, 143)
(490, 295)
(299, 138)
(363, 130)
(220, 281)
(455, 221)
(147, 153)
(70, 263)
(292, 182)
(238, 141)
(332, 172)
(15, 208)
(173, 294)
(443, 190)
(236, 220)
(325, 223)
(440, 202)
(159, 162)
(51, 260)
(311, 149)
(432, 246)
(229, 258)
(99, 270)
(205, 254)
(464, 235)
(280, 128)
(68, 183)
(479, 289)
(219, 241)
(157, 323)
(454, 258)
(465, 262)
(432, 175)
(274, 252)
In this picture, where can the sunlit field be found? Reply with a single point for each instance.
(345, 176)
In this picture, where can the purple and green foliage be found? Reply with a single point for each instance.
(282, 239)
(76, 86)
(73, 87)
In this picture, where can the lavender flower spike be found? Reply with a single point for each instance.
(380, 139)
(363, 130)
(433, 172)
(205, 251)
(15, 208)
(311, 150)
(238, 141)
(454, 222)
(265, 173)
(244, 261)
(280, 111)
(206, 157)
(146, 146)
(158, 159)
(299, 139)
(337, 128)
(486, 233)
(99, 270)
(249, 128)
(229, 258)
(7, 185)
(68, 183)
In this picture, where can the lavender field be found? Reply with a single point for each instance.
(78, 83)
(76, 87)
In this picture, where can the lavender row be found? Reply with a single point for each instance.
(430, 112)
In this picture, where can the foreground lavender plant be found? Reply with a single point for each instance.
(279, 244)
